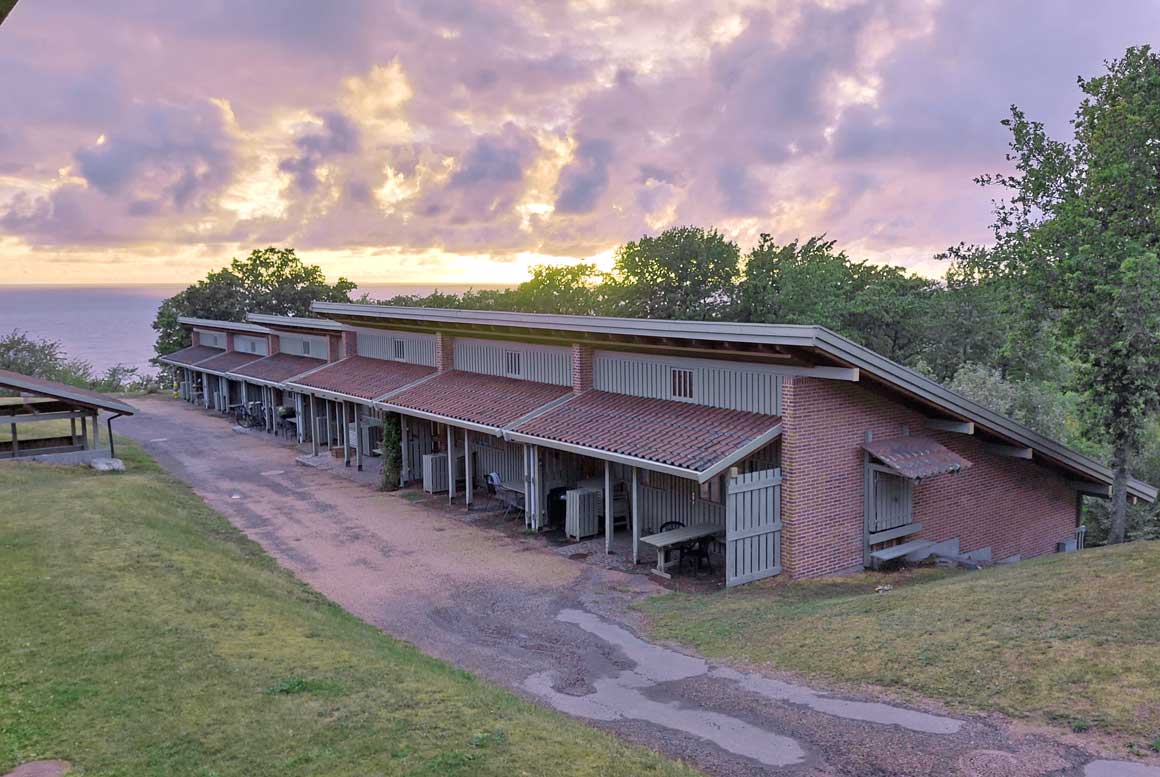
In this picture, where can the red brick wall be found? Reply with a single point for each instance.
(349, 344)
(334, 352)
(444, 352)
(194, 337)
(1012, 506)
(581, 368)
(229, 341)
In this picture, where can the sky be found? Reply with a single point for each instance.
(462, 141)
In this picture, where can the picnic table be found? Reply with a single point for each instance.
(665, 541)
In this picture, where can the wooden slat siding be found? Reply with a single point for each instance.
(724, 385)
(753, 531)
(417, 348)
(212, 339)
(538, 363)
(249, 344)
(505, 459)
(295, 344)
(893, 500)
(669, 498)
(420, 442)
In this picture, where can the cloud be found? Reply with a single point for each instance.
(335, 135)
(502, 128)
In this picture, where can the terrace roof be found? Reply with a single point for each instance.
(483, 402)
(689, 440)
(361, 377)
(276, 369)
(194, 354)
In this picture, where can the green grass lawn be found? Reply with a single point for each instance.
(1073, 638)
(141, 635)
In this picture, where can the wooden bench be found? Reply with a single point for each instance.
(666, 540)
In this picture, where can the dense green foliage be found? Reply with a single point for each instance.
(269, 280)
(1080, 234)
(20, 352)
(392, 452)
(144, 635)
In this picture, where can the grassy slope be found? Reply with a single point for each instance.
(1069, 638)
(144, 636)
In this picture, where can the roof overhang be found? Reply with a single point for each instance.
(815, 344)
(225, 326)
(26, 384)
(295, 323)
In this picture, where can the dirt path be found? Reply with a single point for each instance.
(559, 631)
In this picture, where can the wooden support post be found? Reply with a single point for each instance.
(96, 431)
(345, 435)
(450, 465)
(73, 427)
(608, 520)
(314, 432)
(84, 433)
(527, 486)
(635, 516)
(541, 497)
(405, 473)
(358, 437)
(15, 442)
(467, 467)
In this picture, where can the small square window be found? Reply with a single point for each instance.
(400, 349)
(681, 384)
(511, 360)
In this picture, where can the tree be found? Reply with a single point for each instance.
(568, 289)
(795, 283)
(19, 352)
(269, 280)
(1080, 233)
(682, 273)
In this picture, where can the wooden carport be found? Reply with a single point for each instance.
(27, 399)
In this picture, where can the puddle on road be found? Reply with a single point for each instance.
(621, 697)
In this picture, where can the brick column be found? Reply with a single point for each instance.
(792, 459)
(444, 352)
(194, 337)
(349, 344)
(229, 341)
(334, 349)
(581, 368)
(271, 344)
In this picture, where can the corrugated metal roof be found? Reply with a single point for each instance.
(15, 381)
(187, 357)
(364, 378)
(295, 322)
(817, 338)
(479, 399)
(680, 434)
(916, 457)
(215, 323)
(277, 368)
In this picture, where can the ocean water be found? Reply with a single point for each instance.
(108, 325)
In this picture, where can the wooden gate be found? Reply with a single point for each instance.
(752, 527)
(891, 500)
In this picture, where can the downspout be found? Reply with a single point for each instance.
(109, 426)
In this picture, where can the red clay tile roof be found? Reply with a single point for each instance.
(481, 399)
(365, 378)
(679, 434)
(192, 355)
(228, 361)
(916, 457)
(277, 368)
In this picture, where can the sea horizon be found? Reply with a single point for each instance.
(110, 324)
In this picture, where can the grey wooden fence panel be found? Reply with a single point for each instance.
(420, 441)
(729, 386)
(753, 527)
(417, 348)
(893, 501)
(539, 363)
(249, 344)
